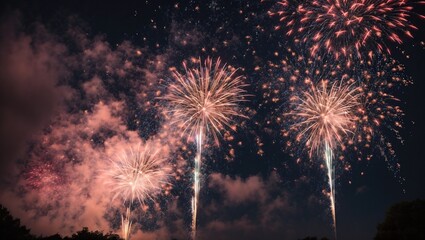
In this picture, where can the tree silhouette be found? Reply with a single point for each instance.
(53, 237)
(314, 238)
(11, 228)
(403, 221)
(85, 234)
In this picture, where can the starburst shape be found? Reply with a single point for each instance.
(325, 114)
(205, 97)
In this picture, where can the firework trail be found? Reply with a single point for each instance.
(346, 28)
(323, 116)
(196, 181)
(126, 224)
(203, 100)
(137, 175)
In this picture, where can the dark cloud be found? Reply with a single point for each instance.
(270, 209)
(254, 189)
(32, 74)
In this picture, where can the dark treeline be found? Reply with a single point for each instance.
(314, 238)
(403, 221)
(11, 228)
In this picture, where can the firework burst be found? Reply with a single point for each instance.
(323, 117)
(372, 120)
(347, 28)
(204, 100)
(378, 82)
(139, 174)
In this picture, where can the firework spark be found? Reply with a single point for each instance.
(347, 28)
(203, 100)
(137, 175)
(323, 117)
(45, 176)
(381, 116)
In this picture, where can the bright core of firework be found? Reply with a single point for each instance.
(205, 97)
(203, 100)
(346, 27)
(137, 174)
(325, 114)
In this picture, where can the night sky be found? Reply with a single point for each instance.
(81, 81)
